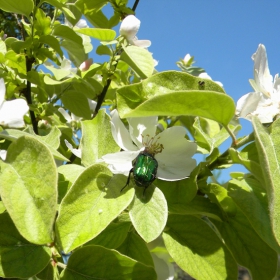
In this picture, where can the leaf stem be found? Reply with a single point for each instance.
(231, 135)
(223, 157)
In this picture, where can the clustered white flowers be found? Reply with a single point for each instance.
(264, 102)
(129, 28)
(171, 149)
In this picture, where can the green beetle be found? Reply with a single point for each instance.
(144, 170)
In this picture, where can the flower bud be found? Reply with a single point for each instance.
(86, 64)
(129, 27)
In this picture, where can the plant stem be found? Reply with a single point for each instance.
(27, 94)
(221, 159)
(231, 135)
(135, 5)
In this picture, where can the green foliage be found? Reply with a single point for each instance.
(63, 176)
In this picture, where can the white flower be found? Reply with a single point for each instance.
(11, 112)
(129, 28)
(265, 101)
(171, 149)
(204, 75)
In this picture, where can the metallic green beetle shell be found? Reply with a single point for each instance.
(144, 169)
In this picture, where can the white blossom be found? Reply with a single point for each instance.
(171, 149)
(264, 102)
(129, 28)
(11, 112)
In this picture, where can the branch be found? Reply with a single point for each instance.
(135, 5)
(27, 94)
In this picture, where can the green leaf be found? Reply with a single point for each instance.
(91, 204)
(76, 52)
(139, 59)
(50, 272)
(174, 93)
(42, 23)
(98, 33)
(219, 195)
(17, 6)
(19, 258)
(200, 205)
(112, 236)
(72, 42)
(249, 158)
(103, 50)
(77, 103)
(28, 189)
(59, 73)
(209, 135)
(70, 171)
(16, 61)
(149, 213)
(82, 261)
(97, 139)
(67, 33)
(49, 141)
(197, 249)
(268, 146)
(178, 192)
(52, 42)
(247, 247)
(252, 201)
(135, 248)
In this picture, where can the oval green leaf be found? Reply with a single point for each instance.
(175, 93)
(196, 248)
(19, 258)
(91, 204)
(107, 264)
(148, 213)
(101, 34)
(17, 6)
(28, 189)
(139, 59)
(97, 139)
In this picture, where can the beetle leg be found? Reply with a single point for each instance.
(128, 179)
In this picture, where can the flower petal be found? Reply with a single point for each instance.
(65, 115)
(3, 154)
(76, 152)
(141, 43)
(175, 160)
(12, 113)
(2, 90)
(129, 27)
(145, 126)
(121, 162)
(247, 104)
(120, 133)
(261, 71)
